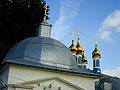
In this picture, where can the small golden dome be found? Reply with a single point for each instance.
(84, 59)
(78, 46)
(72, 47)
(96, 52)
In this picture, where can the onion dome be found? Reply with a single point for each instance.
(84, 59)
(72, 47)
(78, 46)
(96, 52)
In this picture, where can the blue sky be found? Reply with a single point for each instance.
(99, 18)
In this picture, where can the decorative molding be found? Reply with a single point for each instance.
(46, 79)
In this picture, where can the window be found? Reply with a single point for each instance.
(97, 63)
(79, 60)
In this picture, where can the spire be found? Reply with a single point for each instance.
(44, 29)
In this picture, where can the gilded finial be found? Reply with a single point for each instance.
(46, 7)
(73, 33)
(96, 40)
(78, 33)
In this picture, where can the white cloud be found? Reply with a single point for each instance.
(114, 72)
(68, 12)
(110, 24)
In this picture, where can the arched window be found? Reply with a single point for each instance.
(97, 63)
(79, 60)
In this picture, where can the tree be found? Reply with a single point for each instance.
(19, 19)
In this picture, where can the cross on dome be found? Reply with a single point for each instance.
(78, 33)
(73, 33)
(46, 7)
(96, 40)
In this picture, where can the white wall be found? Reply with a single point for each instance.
(18, 74)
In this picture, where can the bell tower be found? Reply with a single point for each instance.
(96, 60)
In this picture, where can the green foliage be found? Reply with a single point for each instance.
(19, 19)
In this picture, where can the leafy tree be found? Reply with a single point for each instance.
(19, 19)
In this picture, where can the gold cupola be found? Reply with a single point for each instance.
(72, 47)
(84, 59)
(78, 46)
(96, 52)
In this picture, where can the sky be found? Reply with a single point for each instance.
(94, 18)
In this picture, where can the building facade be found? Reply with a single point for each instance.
(43, 63)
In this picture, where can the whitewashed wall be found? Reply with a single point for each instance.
(18, 74)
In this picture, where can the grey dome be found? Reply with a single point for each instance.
(43, 50)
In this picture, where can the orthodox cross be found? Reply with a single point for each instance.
(73, 35)
(46, 9)
(83, 45)
(96, 41)
(78, 33)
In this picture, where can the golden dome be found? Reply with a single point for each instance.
(78, 46)
(84, 59)
(72, 47)
(96, 52)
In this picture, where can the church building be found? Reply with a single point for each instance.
(43, 63)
